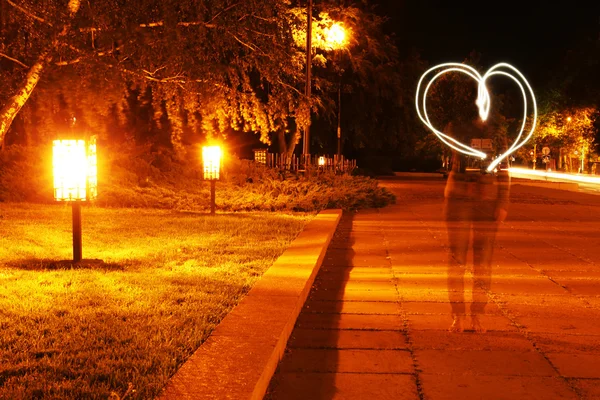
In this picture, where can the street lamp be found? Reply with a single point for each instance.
(75, 171)
(211, 160)
(560, 150)
(336, 39)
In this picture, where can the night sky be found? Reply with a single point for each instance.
(533, 36)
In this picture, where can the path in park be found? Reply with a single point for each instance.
(376, 323)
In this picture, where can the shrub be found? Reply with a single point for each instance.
(136, 177)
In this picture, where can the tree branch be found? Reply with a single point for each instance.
(28, 13)
(94, 54)
(158, 24)
(222, 11)
(13, 60)
(260, 33)
(290, 86)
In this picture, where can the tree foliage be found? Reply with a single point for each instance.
(231, 62)
(180, 71)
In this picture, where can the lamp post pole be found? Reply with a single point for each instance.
(212, 196)
(76, 213)
(306, 143)
(339, 117)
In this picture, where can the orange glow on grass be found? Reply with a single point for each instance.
(75, 170)
(211, 158)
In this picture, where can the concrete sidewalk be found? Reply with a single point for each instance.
(376, 323)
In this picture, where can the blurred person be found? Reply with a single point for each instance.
(476, 202)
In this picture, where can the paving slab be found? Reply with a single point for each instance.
(465, 387)
(350, 321)
(576, 365)
(582, 326)
(483, 362)
(348, 272)
(351, 307)
(384, 283)
(444, 340)
(567, 343)
(341, 360)
(344, 386)
(347, 339)
(355, 295)
(443, 308)
(443, 322)
(585, 287)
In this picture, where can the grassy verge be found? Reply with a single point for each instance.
(125, 325)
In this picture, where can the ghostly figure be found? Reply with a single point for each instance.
(476, 202)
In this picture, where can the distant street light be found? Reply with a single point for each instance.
(75, 180)
(211, 160)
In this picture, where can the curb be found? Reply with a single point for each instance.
(239, 358)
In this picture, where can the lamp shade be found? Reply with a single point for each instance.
(75, 170)
(211, 159)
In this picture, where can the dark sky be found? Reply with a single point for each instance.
(532, 35)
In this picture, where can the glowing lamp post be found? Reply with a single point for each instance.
(211, 159)
(321, 162)
(336, 40)
(75, 180)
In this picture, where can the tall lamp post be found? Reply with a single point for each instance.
(211, 160)
(75, 170)
(306, 142)
(336, 40)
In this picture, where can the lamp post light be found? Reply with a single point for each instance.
(211, 160)
(560, 150)
(75, 180)
(321, 162)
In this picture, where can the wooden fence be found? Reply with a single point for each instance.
(301, 163)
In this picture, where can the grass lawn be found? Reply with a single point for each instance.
(120, 328)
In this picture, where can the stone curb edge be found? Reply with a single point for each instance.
(239, 358)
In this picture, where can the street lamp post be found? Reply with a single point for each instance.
(211, 160)
(339, 117)
(75, 171)
(306, 143)
(336, 40)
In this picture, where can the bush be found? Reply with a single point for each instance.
(135, 177)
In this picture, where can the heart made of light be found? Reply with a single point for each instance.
(482, 102)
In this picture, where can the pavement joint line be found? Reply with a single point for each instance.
(544, 274)
(405, 321)
(354, 329)
(231, 364)
(527, 335)
(529, 233)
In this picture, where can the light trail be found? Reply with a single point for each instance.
(555, 175)
(483, 103)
